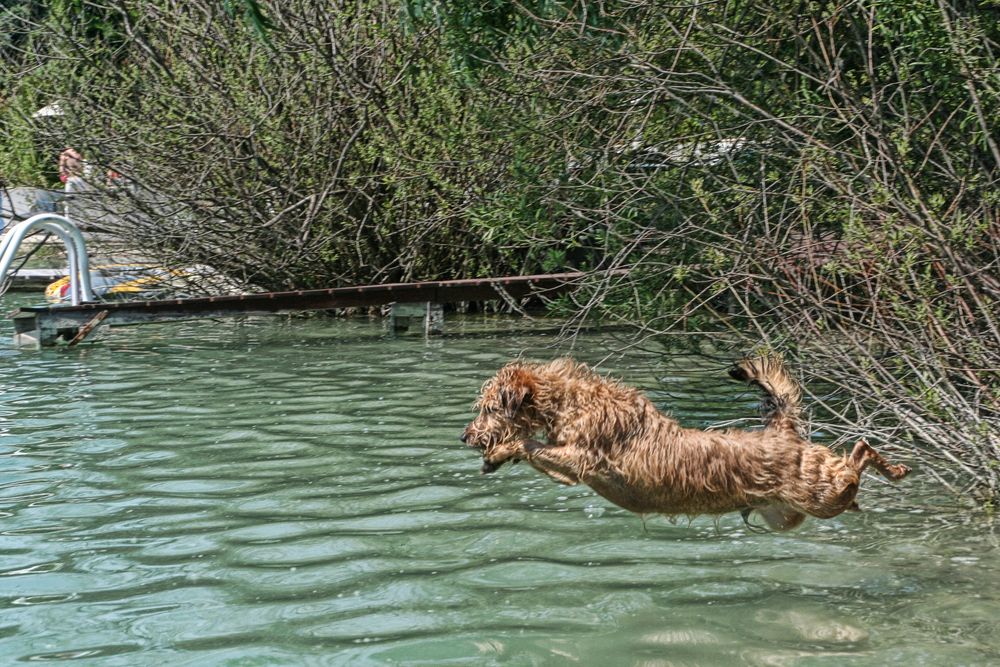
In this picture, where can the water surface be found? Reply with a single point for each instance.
(293, 492)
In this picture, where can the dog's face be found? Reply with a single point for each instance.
(505, 418)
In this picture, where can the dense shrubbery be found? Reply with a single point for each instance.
(820, 176)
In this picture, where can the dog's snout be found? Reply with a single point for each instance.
(465, 437)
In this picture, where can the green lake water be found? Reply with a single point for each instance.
(293, 492)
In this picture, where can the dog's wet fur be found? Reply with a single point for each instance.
(577, 426)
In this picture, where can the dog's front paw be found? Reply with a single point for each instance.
(492, 466)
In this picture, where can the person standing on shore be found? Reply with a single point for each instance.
(70, 164)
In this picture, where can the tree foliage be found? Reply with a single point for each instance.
(821, 176)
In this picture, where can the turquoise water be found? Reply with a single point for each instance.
(294, 492)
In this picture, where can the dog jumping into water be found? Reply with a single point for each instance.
(609, 436)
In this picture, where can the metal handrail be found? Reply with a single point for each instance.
(76, 249)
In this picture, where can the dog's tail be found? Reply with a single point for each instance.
(782, 395)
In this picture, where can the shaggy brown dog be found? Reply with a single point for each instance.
(611, 437)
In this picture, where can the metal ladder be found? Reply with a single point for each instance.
(76, 249)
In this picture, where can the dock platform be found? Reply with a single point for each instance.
(31, 278)
(46, 325)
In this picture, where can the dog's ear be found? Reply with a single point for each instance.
(517, 390)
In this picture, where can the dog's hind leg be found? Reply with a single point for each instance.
(864, 454)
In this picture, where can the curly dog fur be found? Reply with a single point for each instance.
(609, 436)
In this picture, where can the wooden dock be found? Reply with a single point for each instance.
(30, 278)
(46, 325)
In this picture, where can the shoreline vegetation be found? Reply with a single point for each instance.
(821, 178)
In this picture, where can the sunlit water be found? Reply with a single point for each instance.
(293, 492)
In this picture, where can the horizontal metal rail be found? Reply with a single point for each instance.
(440, 291)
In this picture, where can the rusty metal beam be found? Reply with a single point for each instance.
(43, 324)
(440, 291)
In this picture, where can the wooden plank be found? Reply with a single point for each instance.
(88, 327)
